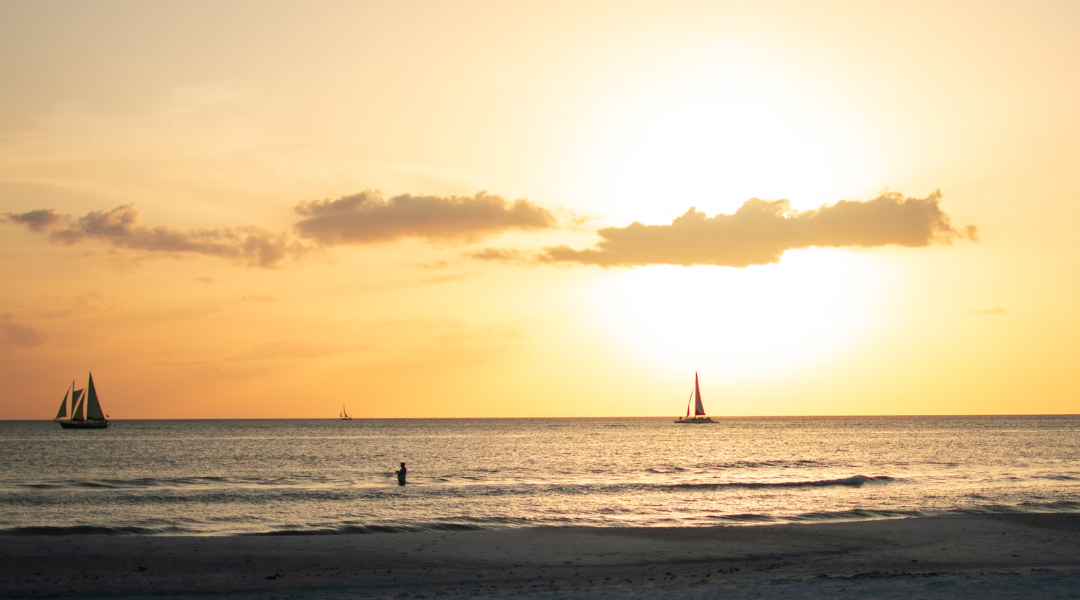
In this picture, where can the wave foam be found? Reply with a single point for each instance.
(364, 529)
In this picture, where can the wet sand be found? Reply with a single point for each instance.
(1008, 556)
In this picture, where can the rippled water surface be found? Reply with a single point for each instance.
(331, 476)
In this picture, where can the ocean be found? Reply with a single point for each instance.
(297, 477)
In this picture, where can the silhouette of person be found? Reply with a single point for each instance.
(401, 475)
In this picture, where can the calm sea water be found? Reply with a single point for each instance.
(331, 476)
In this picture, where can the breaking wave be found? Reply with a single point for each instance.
(855, 481)
(95, 530)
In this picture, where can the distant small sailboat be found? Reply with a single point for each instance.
(94, 418)
(699, 408)
(344, 416)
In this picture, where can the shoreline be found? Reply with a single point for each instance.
(439, 528)
(1001, 556)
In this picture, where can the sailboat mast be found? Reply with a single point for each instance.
(76, 409)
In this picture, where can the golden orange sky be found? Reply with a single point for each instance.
(489, 209)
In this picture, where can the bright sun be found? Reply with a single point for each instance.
(725, 129)
(717, 133)
(744, 323)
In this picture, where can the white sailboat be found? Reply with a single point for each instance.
(344, 416)
(94, 417)
(699, 408)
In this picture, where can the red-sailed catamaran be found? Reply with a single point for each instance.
(699, 409)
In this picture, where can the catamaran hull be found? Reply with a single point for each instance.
(695, 421)
(83, 424)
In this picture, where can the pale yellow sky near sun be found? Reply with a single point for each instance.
(209, 116)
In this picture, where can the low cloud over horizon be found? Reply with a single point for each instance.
(761, 231)
(756, 234)
(367, 218)
(363, 218)
(120, 227)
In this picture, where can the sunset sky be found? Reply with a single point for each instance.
(500, 209)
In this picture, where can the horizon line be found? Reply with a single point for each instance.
(732, 417)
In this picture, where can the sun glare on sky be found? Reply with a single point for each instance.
(266, 201)
(720, 129)
(744, 324)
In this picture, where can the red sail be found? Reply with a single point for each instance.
(699, 410)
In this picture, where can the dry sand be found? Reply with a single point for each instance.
(1014, 556)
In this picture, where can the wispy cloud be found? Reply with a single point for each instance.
(436, 264)
(120, 227)
(503, 255)
(66, 306)
(18, 334)
(289, 349)
(997, 310)
(762, 230)
(35, 220)
(447, 278)
(367, 218)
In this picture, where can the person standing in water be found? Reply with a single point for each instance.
(401, 475)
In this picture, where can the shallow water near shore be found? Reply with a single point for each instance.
(330, 476)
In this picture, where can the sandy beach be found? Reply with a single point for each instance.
(1010, 556)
